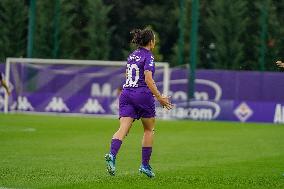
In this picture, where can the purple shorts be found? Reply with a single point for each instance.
(137, 103)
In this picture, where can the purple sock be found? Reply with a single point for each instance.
(114, 147)
(146, 155)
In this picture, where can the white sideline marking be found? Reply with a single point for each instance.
(28, 130)
(14, 129)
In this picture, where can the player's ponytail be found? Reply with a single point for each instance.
(136, 36)
(141, 38)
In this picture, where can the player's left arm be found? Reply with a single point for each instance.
(280, 63)
(148, 72)
(163, 100)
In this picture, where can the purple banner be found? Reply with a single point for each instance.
(219, 95)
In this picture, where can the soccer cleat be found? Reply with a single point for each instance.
(110, 162)
(147, 170)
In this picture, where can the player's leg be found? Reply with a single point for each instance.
(126, 113)
(147, 143)
(125, 125)
(148, 137)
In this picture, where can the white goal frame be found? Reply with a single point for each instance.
(9, 61)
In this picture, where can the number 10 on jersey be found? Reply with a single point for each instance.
(132, 75)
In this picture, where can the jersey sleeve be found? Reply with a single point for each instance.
(149, 63)
(1, 78)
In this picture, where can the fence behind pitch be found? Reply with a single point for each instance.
(220, 95)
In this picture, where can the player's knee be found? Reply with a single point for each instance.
(149, 131)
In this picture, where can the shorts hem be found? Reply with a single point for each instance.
(135, 118)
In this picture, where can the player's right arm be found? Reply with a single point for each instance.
(3, 83)
(280, 63)
(164, 100)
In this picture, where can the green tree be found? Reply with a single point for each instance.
(227, 23)
(123, 18)
(13, 21)
(45, 28)
(128, 15)
(162, 17)
(156, 51)
(250, 38)
(85, 32)
(99, 32)
(274, 35)
(279, 11)
(187, 26)
(74, 39)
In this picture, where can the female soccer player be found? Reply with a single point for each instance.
(137, 101)
(3, 83)
(280, 63)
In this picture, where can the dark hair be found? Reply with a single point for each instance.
(141, 38)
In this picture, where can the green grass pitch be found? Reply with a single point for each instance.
(68, 152)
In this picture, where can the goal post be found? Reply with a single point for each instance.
(18, 71)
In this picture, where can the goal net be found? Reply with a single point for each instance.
(69, 86)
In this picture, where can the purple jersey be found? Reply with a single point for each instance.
(137, 62)
(136, 100)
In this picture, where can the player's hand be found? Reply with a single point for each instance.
(280, 64)
(165, 102)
